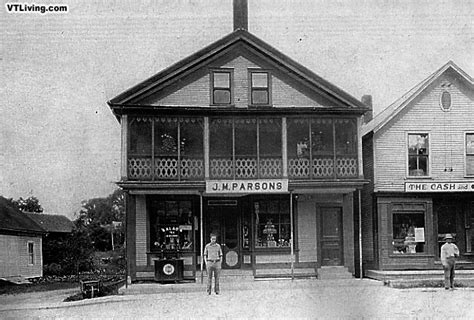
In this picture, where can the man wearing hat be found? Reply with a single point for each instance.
(448, 253)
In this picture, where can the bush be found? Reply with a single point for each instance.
(52, 269)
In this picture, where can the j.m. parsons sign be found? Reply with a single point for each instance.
(247, 186)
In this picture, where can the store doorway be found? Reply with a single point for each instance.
(331, 241)
(223, 219)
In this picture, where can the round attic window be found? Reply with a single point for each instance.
(445, 101)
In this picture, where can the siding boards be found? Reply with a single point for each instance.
(197, 92)
(446, 129)
(14, 258)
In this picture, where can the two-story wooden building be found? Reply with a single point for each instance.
(419, 156)
(239, 140)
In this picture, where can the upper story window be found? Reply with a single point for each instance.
(445, 101)
(260, 84)
(221, 83)
(470, 154)
(418, 154)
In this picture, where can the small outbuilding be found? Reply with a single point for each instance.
(21, 255)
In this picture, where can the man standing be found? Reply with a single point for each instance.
(212, 257)
(448, 253)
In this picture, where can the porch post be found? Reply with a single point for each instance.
(201, 233)
(124, 147)
(360, 235)
(291, 235)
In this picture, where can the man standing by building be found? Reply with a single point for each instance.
(212, 257)
(449, 252)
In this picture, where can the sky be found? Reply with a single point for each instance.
(59, 140)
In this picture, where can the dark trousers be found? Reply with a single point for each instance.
(449, 272)
(213, 268)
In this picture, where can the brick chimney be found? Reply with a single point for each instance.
(241, 15)
(367, 100)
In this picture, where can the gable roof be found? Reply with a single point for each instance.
(13, 220)
(396, 107)
(52, 223)
(239, 36)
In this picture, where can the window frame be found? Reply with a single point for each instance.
(278, 225)
(230, 71)
(251, 88)
(466, 154)
(31, 255)
(427, 244)
(407, 156)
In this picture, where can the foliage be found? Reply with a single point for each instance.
(97, 216)
(30, 204)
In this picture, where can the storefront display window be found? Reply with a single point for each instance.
(272, 221)
(408, 232)
(171, 225)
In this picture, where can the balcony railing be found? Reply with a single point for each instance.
(165, 168)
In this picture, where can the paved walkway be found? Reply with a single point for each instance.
(306, 299)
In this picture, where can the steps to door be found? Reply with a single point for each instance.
(334, 273)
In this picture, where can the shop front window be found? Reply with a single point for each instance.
(272, 221)
(418, 152)
(408, 232)
(171, 225)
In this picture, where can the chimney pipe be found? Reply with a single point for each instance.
(240, 15)
(367, 100)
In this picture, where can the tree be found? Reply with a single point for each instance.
(30, 204)
(98, 215)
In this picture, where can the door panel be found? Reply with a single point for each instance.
(331, 236)
(225, 221)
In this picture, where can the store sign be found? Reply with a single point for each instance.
(439, 186)
(247, 186)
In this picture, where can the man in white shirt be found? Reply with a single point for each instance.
(449, 252)
(212, 258)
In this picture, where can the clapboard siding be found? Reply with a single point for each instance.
(14, 258)
(197, 92)
(141, 231)
(446, 129)
(307, 243)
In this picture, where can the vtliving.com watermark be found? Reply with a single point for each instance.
(35, 8)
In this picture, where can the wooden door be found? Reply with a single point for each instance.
(331, 239)
(225, 222)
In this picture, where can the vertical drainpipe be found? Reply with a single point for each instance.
(360, 236)
(291, 235)
(201, 234)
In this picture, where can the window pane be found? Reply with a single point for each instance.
(166, 136)
(140, 136)
(298, 138)
(470, 165)
(246, 137)
(418, 143)
(222, 80)
(322, 136)
(260, 97)
(259, 80)
(405, 226)
(220, 137)
(470, 143)
(270, 137)
(191, 132)
(346, 136)
(222, 96)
